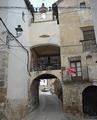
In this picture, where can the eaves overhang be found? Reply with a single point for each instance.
(29, 6)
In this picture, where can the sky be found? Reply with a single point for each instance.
(37, 3)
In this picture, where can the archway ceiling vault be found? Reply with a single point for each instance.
(47, 50)
(46, 76)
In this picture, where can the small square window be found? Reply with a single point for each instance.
(82, 4)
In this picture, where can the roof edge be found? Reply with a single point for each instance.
(29, 6)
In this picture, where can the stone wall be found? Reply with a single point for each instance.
(34, 95)
(3, 73)
(58, 89)
(71, 32)
(72, 96)
(16, 109)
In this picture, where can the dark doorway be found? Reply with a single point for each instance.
(89, 96)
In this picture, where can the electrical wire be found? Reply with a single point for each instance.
(69, 12)
(78, 9)
(75, 7)
(31, 46)
(19, 44)
(69, 7)
(29, 13)
(13, 12)
(60, 46)
(8, 50)
(2, 40)
(11, 7)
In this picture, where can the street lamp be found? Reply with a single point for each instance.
(19, 31)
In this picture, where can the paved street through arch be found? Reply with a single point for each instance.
(50, 108)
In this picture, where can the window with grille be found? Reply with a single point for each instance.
(49, 61)
(75, 63)
(89, 42)
(82, 4)
(89, 35)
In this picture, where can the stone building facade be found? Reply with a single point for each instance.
(14, 58)
(79, 53)
(3, 72)
(55, 51)
(3, 59)
(45, 51)
(94, 13)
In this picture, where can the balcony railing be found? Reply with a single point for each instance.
(46, 67)
(36, 9)
(69, 77)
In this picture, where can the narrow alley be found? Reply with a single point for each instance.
(50, 108)
(48, 60)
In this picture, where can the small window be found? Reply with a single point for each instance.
(89, 42)
(82, 4)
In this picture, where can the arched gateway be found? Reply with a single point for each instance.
(45, 64)
(34, 88)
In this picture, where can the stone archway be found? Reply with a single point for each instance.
(34, 89)
(89, 100)
(58, 89)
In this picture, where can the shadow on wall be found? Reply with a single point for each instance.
(58, 90)
(34, 95)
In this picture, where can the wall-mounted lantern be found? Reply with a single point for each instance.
(19, 31)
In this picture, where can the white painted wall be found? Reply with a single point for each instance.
(17, 68)
(3, 15)
(50, 28)
(38, 16)
(94, 13)
(3, 12)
